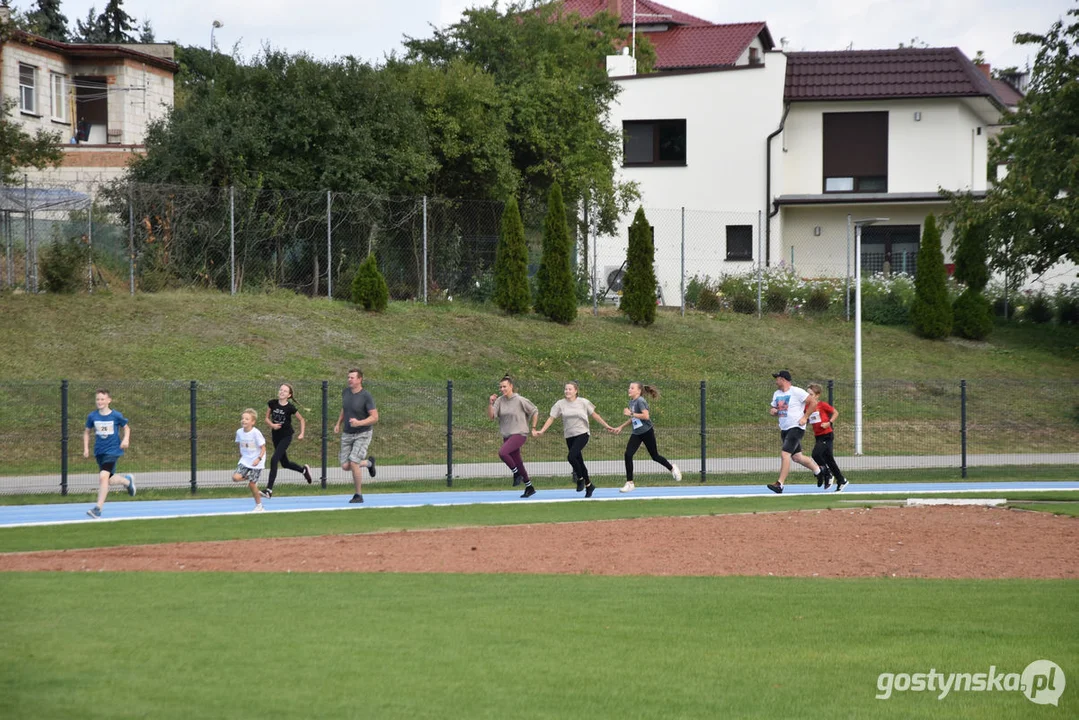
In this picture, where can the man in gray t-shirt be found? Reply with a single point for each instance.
(358, 414)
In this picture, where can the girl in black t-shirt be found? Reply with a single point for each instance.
(279, 412)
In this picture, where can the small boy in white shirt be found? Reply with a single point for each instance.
(252, 455)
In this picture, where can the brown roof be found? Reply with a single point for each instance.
(884, 74)
(1006, 92)
(648, 12)
(94, 50)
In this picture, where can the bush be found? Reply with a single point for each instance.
(1068, 304)
(886, 300)
(512, 293)
(739, 293)
(973, 316)
(931, 311)
(694, 287)
(369, 288)
(639, 286)
(708, 301)
(1038, 308)
(775, 298)
(63, 265)
(556, 295)
(819, 298)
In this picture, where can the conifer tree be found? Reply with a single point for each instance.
(639, 286)
(931, 312)
(556, 294)
(512, 293)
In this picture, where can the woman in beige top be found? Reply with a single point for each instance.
(575, 411)
(513, 413)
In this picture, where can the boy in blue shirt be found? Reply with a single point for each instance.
(108, 447)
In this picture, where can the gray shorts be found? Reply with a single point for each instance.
(354, 447)
(792, 439)
(251, 475)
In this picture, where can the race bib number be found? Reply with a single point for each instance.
(104, 428)
(637, 423)
(814, 418)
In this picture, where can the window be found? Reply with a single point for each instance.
(890, 249)
(27, 83)
(739, 242)
(754, 56)
(59, 98)
(856, 152)
(654, 142)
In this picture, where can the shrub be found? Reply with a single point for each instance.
(739, 293)
(1038, 308)
(556, 296)
(369, 288)
(775, 298)
(694, 287)
(63, 264)
(973, 316)
(1068, 304)
(639, 286)
(512, 292)
(931, 311)
(886, 300)
(819, 298)
(708, 301)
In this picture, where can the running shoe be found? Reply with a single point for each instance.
(371, 467)
(130, 485)
(775, 487)
(307, 473)
(589, 489)
(676, 473)
(529, 491)
(94, 512)
(628, 487)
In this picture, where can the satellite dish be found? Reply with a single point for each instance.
(615, 279)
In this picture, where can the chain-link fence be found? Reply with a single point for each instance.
(431, 434)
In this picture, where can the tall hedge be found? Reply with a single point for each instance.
(512, 292)
(973, 313)
(639, 286)
(556, 294)
(931, 312)
(369, 288)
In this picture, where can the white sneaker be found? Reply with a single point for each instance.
(628, 487)
(676, 473)
(259, 508)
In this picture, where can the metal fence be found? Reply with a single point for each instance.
(433, 435)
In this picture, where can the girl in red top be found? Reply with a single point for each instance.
(822, 420)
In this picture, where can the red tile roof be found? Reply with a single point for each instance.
(881, 74)
(647, 12)
(691, 42)
(1006, 92)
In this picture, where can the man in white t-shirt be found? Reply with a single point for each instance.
(792, 406)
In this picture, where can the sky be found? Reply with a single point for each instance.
(371, 29)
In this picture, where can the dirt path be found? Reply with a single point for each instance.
(931, 542)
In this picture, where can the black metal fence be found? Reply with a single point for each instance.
(439, 434)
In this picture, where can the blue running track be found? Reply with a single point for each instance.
(61, 514)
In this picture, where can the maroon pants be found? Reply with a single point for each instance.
(510, 453)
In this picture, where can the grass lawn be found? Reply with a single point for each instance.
(448, 646)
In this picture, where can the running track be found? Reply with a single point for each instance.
(66, 513)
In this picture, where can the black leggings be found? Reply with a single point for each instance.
(280, 455)
(649, 440)
(822, 455)
(575, 445)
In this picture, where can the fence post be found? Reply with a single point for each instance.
(963, 423)
(329, 245)
(424, 250)
(325, 421)
(831, 392)
(90, 241)
(232, 239)
(194, 437)
(131, 238)
(760, 261)
(792, 259)
(63, 437)
(704, 433)
(449, 433)
(683, 261)
(846, 280)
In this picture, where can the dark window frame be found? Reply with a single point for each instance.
(656, 127)
(854, 146)
(747, 254)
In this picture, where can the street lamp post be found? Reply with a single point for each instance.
(858, 225)
(216, 24)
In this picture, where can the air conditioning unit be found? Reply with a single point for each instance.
(613, 277)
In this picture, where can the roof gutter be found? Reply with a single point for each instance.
(768, 187)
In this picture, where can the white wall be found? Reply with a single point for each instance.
(728, 115)
(942, 149)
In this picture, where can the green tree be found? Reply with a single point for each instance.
(1032, 214)
(146, 32)
(45, 19)
(931, 312)
(639, 285)
(973, 312)
(549, 69)
(512, 292)
(19, 149)
(556, 295)
(113, 25)
(369, 289)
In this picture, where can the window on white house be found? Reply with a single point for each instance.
(654, 142)
(856, 152)
(739, 242)
(59, 98)
(27, 85)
